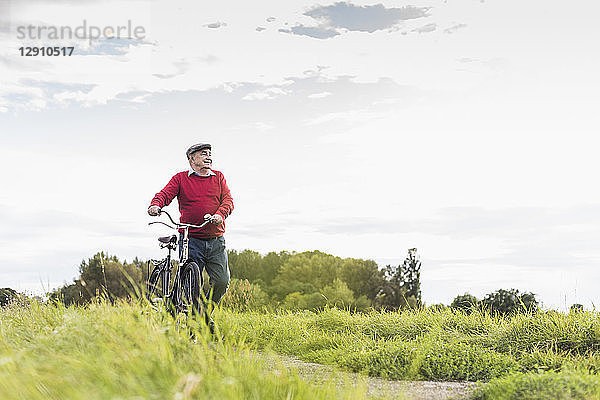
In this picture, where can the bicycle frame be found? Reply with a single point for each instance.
(164, 265)
(185, 227)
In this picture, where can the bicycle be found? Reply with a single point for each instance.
(183, 294)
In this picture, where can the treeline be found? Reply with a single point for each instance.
(103, 275)
(314, 279)
(501, 301)
(307, 280)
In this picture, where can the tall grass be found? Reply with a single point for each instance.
(124, 351)
(428, 344)
(567, 385)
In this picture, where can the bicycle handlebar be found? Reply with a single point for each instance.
(180, 225)
(160, 222)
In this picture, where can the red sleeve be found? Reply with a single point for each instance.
(167, 194)
(226, 201)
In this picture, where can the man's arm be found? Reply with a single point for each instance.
(226, 201)
(165, 196)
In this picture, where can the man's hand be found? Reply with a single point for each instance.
(154, 210)
(216, 219)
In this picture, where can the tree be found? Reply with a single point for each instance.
(245, 264)
(122, 279)
(313, 279)
(102, 275)
(8, 295)
(575, 308)
(271, 265)
(412, 275)
(338, 294)
(402, 284)
(310, 270)
(465, 302)
(363, 277)
(508, 301)
(255, 268)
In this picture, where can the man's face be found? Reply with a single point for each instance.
(201, 160)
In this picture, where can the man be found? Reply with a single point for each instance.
(199, 191)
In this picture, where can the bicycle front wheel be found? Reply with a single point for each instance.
(191, 281)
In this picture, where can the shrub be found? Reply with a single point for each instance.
(243, 296)
(299, 301)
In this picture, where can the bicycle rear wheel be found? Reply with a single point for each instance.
(190, 283)
(157, 285)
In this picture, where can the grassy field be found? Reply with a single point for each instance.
(519, 354)
(124, 351)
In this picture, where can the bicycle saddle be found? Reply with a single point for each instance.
(168, 239)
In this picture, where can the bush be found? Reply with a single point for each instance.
(335, 295)
(243, 296)
(299, 301)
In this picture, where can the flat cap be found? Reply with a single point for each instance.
(197, 147)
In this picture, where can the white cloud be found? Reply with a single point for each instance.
(431, 60)
(319, 95)
(266, 94)
(351, 116)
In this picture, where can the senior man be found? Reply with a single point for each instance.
(200, 191)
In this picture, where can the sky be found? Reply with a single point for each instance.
(465, 129)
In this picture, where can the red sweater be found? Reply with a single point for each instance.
(198, 196)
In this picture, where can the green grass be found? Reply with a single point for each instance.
(427, 344)
(125, 352)
(545, 386)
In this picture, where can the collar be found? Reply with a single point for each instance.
(192, 172)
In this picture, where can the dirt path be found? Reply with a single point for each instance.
(414, 390)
